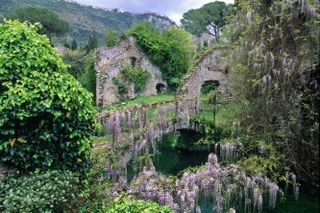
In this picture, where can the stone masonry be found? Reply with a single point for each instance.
(110, 61)
(211, 67)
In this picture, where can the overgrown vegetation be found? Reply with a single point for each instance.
(81, 66)
(263, 141)
(52, 24)
(112, 37)
(275, 76)
(129, 204)
(46, 117)
(169, 49)
(135, 75)
(52, 191)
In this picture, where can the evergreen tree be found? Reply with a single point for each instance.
(209, 18)
(92, 42)
(74, 44)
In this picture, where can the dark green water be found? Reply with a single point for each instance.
(171, 162)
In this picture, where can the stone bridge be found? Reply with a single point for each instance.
(144, 124)
(211, 67)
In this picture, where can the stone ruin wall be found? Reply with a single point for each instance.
(110, 61)
(212, 67)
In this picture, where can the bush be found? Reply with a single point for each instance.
(126, 204)
(47, 192)
(46, 117)
(138, 76)
(112, 37)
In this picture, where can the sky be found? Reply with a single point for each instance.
(174, 9)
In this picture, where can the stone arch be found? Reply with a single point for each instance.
(208, 86)
(210, 68)
(161, 88)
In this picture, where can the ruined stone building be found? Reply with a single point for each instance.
(110, 61)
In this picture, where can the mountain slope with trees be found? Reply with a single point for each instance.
(84, 19)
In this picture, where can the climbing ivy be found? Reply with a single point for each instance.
(137, 76)
(46, 117)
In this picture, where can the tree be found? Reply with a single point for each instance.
(46, 117)
(277, 79)
(51, 22)
(209, 18)
(74, 44)
(76, 61)
(92, 42)
(170, 50)
(112, 37)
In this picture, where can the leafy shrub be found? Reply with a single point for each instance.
(136, 75)
(208, 86)
(96, 186)
(122, 87)
(170, 50)
(126, 204)
(47, 192)
(46, 117)
(112, 37)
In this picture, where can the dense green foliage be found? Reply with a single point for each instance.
(83, 19)
(51, 22)
(46, 117)
(47, 192)
(96, 192)
(209, 86)
(169, 49)
(275, 75)
(88, 78)
(81, 66)
(112, 37)
(122, 87)
(137, 76)
(92, 42)
(76, 61)
(210, 18)
(127, 204)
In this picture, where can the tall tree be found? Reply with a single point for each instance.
(92, 42)
(52, 24)
(209, 18)
(74, 44)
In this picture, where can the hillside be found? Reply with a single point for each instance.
(84, 19)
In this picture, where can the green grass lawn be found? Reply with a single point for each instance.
(225, 113)
(146, 100)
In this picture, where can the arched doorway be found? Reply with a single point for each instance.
(208, 86)
(133, 61)
(161, 88)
